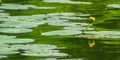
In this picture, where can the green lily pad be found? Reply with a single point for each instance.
(1, 10)
(77, 28)
(18, 24)
(97, 36)
(3, 56)
(46, 55)
(62, 32)
(110, 33)
(34, 46)
(63, 23)
(61, 14)
(100, 34)
(15, 30)
(7, 37)
(21, 7)
(67, 1)
(6, 52)
(72, 18)
(4, 14)
(3, 45)
(81, 14)
(114, 6)
(16, 41)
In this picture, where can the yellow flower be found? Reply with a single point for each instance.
(91, 44)
(92, 18)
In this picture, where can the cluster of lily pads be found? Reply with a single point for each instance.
(11, 45)
(22, 7)
(67, 1)
(23, 24)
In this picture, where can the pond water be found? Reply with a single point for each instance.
(50, 28)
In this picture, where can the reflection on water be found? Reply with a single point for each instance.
(77, 48)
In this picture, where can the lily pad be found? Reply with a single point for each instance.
(110, 33)
(97, 36)
(72, 18)
(67, 1)
(18, 24)
(77, 28)
(7, 37)
(15, 30)
(34, 46)
(46, 55)
(4, 14)
(3, 56)
(21, 7)
(114, 6)
(3, 45)
(16, 41)
(62, 32)
(61, 14)
(63, 23)
(6, 52)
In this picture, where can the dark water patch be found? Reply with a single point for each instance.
(109, 24)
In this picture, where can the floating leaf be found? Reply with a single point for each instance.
(21, 7)
(34, 46)
(67, 1)
(100, 34)
(62, 32)
(3, 45)
(46, 55)
(3, 56)
(6, 52)
(16, 41)
(110, 33)
(7, 37)
(18, 24)
(114, 6)
(72, 18)
(77, 28)
(15, 30)
(61, 14)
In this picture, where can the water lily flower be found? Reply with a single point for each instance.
(92, 18)
(91, 43)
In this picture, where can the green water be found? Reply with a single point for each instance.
(76, 48)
